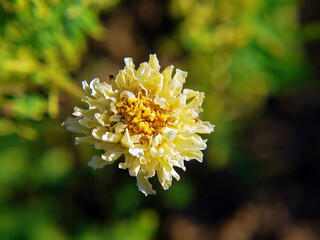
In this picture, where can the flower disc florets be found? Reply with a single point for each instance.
(144, 115)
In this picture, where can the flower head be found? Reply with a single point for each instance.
(144, 115)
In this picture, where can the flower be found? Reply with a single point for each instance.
(144, 115)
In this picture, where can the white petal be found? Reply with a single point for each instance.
(169, 133)
(113, 153)
(86, 88)
(175, 174)
(79, 140)
(119, 128)
(144, 185)
(169, 148)
(92, 85)
(156, 140)
(189, 154)
(144, 71)
(161, 102)
(98, 132)
(129, 62)
(125, 140)
(196, 102)
(165, 178)
(103, 145)
(99, 103)
(128, 141)
(205, 127)
(135, 167)
(179, 163)
(136, 151)
(154, 82)
(156, 152)
(167, 77)
(135, 138)
(154, 62)
(96, 162)
(189, 93)
(127, 94)
(103, 119)
(79, 112)
(73, 125)
(115, 118)
(87, 122)
(143, 160)
(189, 141)
(176, 84)
(111, 137)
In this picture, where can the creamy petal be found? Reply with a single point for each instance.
(111, 137)
(73, 125)
(175, 174)
(135, 168)
(137, 151)
(113, 154)
(176, 84)
(120, 128)
(144, 71)
(189, 141)
(100, 104)
(129, 62)
(98, 132)
(86, 88)
(165, 178)
(169, 133)
(79, 112)
(144, 185)
(93, 85)
(162, 102)
(189, 155)
(154, 62)
(87, 122)
(101, 145)
(89, 139)
(156, 140)
(96, 162)
(205, 127)
(179, 163)
(102, 118)
(127, 94)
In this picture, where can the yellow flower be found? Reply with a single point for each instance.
(144, 115)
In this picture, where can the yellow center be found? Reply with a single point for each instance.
(143, 116)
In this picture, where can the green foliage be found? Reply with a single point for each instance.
(42, 43)
(180, 196)
(28, 223)
(141, 226)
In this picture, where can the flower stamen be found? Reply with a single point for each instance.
(143, 116)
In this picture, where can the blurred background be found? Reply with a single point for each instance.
(258, 63)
